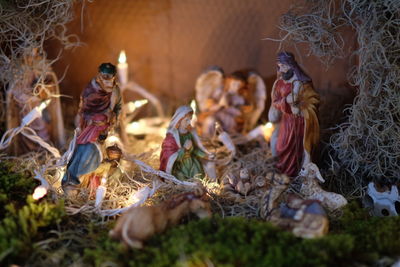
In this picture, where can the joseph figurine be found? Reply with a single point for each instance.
(294, 111)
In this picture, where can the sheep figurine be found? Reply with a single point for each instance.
(310, 188)
(138, 224)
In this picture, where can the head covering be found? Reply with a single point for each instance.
(107, 68)
(287, 58)
(180, 113)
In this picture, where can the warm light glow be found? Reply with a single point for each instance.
(133, 105)
(133, 127)
(39, 192)
(43, 105)
(267, 131)
(112, 139)
(194, 107)
(122, 57)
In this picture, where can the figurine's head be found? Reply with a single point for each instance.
(287, 67)
(244, 173)
(106, 76)
(114, 152)
(236, 83)
(184, 124)
(181, 119)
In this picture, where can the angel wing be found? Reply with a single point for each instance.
(209, 87)
(258, 90)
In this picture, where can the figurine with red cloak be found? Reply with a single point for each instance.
(294, 111)
(98, 110)
(183, 154)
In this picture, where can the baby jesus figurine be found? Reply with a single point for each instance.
(241, 184)
(182, 153)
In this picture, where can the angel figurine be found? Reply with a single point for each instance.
(98, 112)
(235, 102)
(182, 153)
(294, 111)
(35, 84)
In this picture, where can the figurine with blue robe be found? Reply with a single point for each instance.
(98, 111)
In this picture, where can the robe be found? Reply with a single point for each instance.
(95, 106)
(289, 145)
(181, 163)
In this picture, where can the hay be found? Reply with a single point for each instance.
(24, 27)
(366, 147)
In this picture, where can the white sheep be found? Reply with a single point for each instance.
(312, 190)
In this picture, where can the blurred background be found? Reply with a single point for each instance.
(168, 43)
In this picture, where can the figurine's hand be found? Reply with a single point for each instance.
(295, 110)
(291, 98)
(188, 144)
(211, 156)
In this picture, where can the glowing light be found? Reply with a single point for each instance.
(122, 57)
(44, 104)
(39, 192)
(268, 128)
(103, 180)
(122, 68)
(194, 107)
(112, 139)
(133, 105)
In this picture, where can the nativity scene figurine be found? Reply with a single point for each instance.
(294, 112)
(182, 152)
(235, 101)
(35, 83)
(98, 113)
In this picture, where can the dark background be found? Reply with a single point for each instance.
(170, 42)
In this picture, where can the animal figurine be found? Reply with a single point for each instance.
(235, 101)
(241, 184)
(382, 203)
(305, 218)
(270, 200)
(140, 223)
(310, 188)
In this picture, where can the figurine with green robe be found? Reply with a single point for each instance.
(183, 155)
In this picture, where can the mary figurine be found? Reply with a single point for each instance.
(182, 153)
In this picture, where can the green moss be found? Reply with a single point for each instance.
(356, 238)
(24, 226)
(23, 221)
(14, 186)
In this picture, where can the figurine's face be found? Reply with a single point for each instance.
(234, 85)
(282, 68)
(244, 173)
(286, 71)
(106, 81)
(184, 124)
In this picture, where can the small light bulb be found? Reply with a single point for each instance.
(122, 57)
